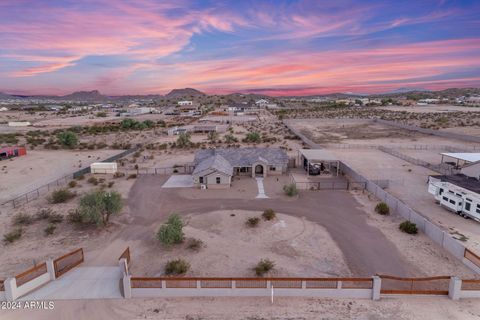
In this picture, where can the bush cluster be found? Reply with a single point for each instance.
(268, 214)
(61, 196)
(176, 267)
(382, 208)
(264, 266)
(172, 231)
(290, 190)
(252, 222)
(408, 227)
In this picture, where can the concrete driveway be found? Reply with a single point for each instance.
(81, 283)
(366, 249)
(179, 181)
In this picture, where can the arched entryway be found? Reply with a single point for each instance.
(259, 170)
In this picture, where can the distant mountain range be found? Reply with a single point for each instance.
(190, 93)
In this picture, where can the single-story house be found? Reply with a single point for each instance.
(214, 168)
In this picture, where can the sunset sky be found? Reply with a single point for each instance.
(272, 47)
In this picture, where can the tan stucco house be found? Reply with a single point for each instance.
(214, 168)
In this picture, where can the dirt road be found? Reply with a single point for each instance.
(366, 250)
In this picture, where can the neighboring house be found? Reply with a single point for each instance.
(185, 103)
(214, 168)
(261, 102)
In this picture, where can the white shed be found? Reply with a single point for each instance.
(103, 167)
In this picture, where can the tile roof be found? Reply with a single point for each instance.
(216, 162)
(245, 157)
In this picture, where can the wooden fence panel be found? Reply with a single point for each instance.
(431, 285)
(67, 262)
(251, 283)
(216, 283)
(2, 286)
(472, 257)
(471, 284)
(31, 274)
(146, 282)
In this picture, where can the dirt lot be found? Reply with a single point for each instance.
(405, 308)
(39, 167)
(230, 248)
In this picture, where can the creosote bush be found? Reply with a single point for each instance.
(55, 218)
(290, 190)
(13, 235)
(61, 195)
(44, 213)
(194, 244)
(264, 266)
(252, 222)
(50, 229)
(22, 219)
(382, 208)
(268, 214)
(72, 184)
(408, 227)
(93, 181)
(176, 267)
(172, 231)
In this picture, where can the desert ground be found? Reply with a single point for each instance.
(39, 167)
(354, 140)
(429, 308)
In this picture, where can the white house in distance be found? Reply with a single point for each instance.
(214, 168)
(185, 103)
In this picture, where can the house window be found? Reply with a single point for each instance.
(445, 198)
(452, 201)
(272, 168)
(200, 179)
(441, 191)
(218, 180)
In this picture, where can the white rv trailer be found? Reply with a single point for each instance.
(464, 202)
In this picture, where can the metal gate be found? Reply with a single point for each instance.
(430, 285)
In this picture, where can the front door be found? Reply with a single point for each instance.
(259, 170)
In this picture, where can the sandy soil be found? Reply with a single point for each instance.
(405, 308)
(35, 246)
(418, 249)
(433, 108)
(39, 167)
(409, 183)
(297, 247)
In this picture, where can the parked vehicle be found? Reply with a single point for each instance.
(462, 201)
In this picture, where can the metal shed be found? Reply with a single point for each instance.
(310, 156)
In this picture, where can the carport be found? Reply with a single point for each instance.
(465, 157)
(315, 156)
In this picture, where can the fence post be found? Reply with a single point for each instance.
(339, 284)
(51, 269)
(199, 284)
(10, 285)
(376, 287)
(234, 284)
(164, 284)
(454, 288)
(127, 286)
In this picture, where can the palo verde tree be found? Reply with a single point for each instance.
(97, 207)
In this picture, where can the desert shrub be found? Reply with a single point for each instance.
(97, 207)
(55, 218)
(132, 176)
(22, 219)
(252, 222)
(44, 213)
(253, 137)
(176, 267)
(230, 138)
(268, 214)
(50, 229)
(67, 139)
(80, 177)
(194, 244)
(172, 231)
(13, 235)
(61, 196)
(408, 227)
(118, 174)
(382, 208)
(184, 140)
(74, 216)
(290, 190)
(93, 180)
(101, 114)
(264, 266)
(72, 184)
(111, 183)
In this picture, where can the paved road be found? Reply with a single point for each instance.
(366, 249)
